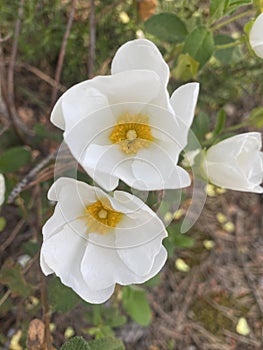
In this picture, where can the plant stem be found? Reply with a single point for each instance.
(229, 45)
(231, 19)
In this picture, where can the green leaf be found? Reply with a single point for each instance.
(232, 5)
(220, 122)
(13, 159)
(76, 343)
(183, 241)
(136, 305)
(61, 298)
(2, 223)
(167, 27)
(200, 126)
(200, 45)
(43, 133)
(186, 68)
(12, 276)
(256, 117)
(229, 55)
(107, 343)
(216, 9)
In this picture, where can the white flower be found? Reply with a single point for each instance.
(124, 126)
(2, 189)
(256, 36)
(236, 163)
(94, 241)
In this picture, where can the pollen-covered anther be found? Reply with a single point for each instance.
(132, 132)
(100, 217)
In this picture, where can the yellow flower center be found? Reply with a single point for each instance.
(101, 217)
(132, 132)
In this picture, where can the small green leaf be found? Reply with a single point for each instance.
(186, 68)
(200, 45)
(61, 298)
(12, 276)
(216, 9)
(200, 126)
(136, 305)
(2, 223)
(256, 117)
(220, 122)
(167, 27)
(76, 343)
(229, 55)
(13, 159)
(107, 343)
(232, 5)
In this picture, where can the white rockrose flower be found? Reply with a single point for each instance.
(256, 36)
(125, 126)
(93, 240)
(236, 163)
(2, 189)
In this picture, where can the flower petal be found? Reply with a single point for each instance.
(77, 103)
(140, 54)
(255, 36)
(2, 189)
(63, 254)
(156, 168)
(183, 101)
(139, 239)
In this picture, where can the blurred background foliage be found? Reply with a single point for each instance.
(199, 43)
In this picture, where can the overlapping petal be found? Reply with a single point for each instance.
(89, 262)
(256, 36)
(2, 189)
(236, 163)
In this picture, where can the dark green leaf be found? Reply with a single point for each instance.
(61, 298)
(220, 122)
(136, 305)
(217, 9)
(167, 27)
(200, 126)
(107, 343)
(232, 5)
(76, 343)
(13, 159)
(12, 276)
(200, 45)
(229, 55)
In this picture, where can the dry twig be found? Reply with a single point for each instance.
(63, 50)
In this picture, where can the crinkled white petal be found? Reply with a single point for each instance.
(63, 254)
(256, 36)
(2, 189)
(140, 54)
(102, 266)
(236, 163)
(156, 168)
(183, 102)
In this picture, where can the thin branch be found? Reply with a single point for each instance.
(43, 76)
(63, 50)
(92, 43)
(24, 182)
(21, 130)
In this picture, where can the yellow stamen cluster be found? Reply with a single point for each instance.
(101, 217)
(132, 132)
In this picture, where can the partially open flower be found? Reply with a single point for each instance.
(236, 163)
(124, 126)
(2, 189)
(256, 36)
(94, 241)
